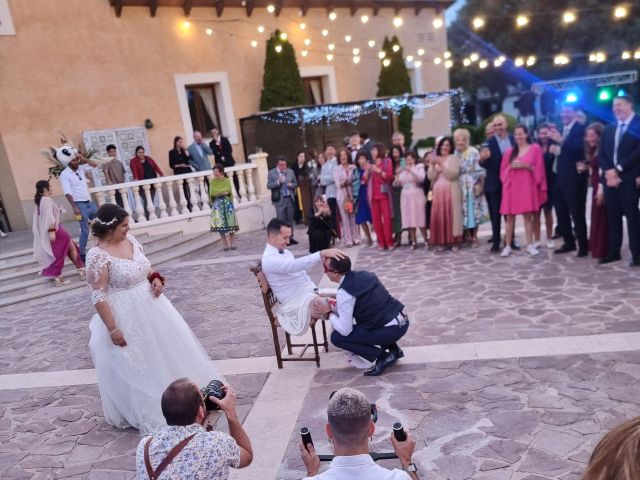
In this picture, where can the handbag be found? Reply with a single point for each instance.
(275, 195)
(348, 205)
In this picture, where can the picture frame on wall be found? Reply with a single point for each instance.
(6, 22)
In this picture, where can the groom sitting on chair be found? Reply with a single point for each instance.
(298, 296)
(380, 320)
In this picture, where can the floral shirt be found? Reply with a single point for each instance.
(207, 456)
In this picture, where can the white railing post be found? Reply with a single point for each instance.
(125, 203)
(260, 160)
(182, 199)
(250, 187)
(173, 211)
(100, 198)
(151, 209)
(204, 195)
(236, 199)
(194, 198)
(140, 217)
(162, 207)
(241, 187)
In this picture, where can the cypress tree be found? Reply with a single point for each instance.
(281, 82)
(395, 80)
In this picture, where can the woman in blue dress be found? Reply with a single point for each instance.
(363, 212)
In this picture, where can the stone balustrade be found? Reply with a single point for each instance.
(162, 200)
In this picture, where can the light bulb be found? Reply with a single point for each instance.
(620, 12)
(386, 62)
(372, 43)
(186, 25)
(478, 23)
(466, 62)
(483, 64)
(522, 20)
(278, 48)
(409, 58)
(271, 8)
(333, 16)
(356, 59)
(302, 26)
(260, 29)
(364, 18)
(626, 55)
(283, 36)
(356, 51)
(347, 38)
(209, 31)
(474, 57)
(569, 17)
(437, 60)
(325, 32)
(421, 51)
(448, 64)
(381, 55)
(330, 56)
(331, 47)
(396, 48)
(437, 23)
(417, 64)
(519, 61)
(531, 60)
(254, 43)
(307, 41)
(304, 53)
(447, 54)
(397, 22)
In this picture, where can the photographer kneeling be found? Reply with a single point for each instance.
(183, 448)
(349, 429)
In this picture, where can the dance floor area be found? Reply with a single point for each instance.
(514, 367)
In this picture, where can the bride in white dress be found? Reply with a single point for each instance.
(139, 342)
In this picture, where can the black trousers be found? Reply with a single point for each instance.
(570, 202)
(369, 344)
(620, 201)
(493, 202)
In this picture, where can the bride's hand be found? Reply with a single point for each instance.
(157, 287)
(118, 339)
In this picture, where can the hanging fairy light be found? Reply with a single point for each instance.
(271, 8)
(302, 26)
(474, 57)
(499, 61)
(396, 48)
(483, 64)
(209, 31)
(597, 57)
(356, 59)
(283, 36)
(304, 53)
(332, 16)
(626, 55)
(325, 32)
(330, 56)
(448, 64)
(437, 60)
(621, 11)
(569, 17)
(561, 59)
(356, 51)
(307, 41)
(364, 18)
(438, 23)
(347, 38)
(386, 62)
(372, 43)
(409, 58)
(421, 52)
(397, 21)
(522, 21)
(531, 60)
(447, 54)
(331, 47)
(278, 48)
(260, 29)
(417, 64)
(254, 43)
(381, 55)
(518, 62)
(186, 25)
(478, 23)
(466, 62)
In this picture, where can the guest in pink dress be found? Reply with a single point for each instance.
(598, 233)
(378, 178)
(344, 175)
(51, 242)
(412, 200)
(524, 186)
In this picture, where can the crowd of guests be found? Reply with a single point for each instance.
(455, 187)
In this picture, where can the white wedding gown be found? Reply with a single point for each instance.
(160, 346)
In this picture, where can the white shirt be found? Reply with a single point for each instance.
(618, 138)
(74, 183)
(566, 129)
(285, 273)
(361, 467)
(326, 177)
(343, 321)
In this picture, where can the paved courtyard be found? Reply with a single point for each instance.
(514, 367)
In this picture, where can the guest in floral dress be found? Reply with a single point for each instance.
(344, 175)
(223, 214)
(412, 200)
(474, 205)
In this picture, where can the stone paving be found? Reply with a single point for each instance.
(516, 419)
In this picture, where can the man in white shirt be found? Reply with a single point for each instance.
(74, 185)
(349, 429)
(380, 320)
(299, 301)
(328, 182)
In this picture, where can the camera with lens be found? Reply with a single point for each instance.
(213, 389)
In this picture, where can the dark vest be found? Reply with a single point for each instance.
(374, 307)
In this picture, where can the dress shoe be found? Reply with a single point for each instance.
(565, 248)
(583, 252)
(382, 362)
(293, 242)
(635, 261)
(397, 352)
(610, 259)
(515, 245)
(495, 249)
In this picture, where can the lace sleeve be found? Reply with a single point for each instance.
(136, 244)
(97, 274)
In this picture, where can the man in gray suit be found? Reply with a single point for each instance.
(282, 183)
(199, 153)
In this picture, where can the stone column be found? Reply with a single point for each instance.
(260, 159)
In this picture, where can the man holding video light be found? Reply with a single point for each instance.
(349, 429)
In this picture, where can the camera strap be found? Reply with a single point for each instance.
(153, 475)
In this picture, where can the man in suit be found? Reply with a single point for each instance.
(282, 183)
(570, 200)
(619, 159)
(199, 153)
(490, 158)
(223, 153)
(354, 146)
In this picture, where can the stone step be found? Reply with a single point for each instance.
(159, 254)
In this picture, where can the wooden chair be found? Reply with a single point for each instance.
(269, 301)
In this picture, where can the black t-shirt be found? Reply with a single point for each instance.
(149, 172)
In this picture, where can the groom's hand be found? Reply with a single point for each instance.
(333, 253)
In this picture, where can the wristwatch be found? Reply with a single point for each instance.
(411, 468)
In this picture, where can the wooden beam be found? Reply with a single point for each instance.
(376, 8)
(418, 9)
(278, 7)
(219, 7)
(186, 6)
(353, 8)
(249, 5)
(304, 7)
(153, 7)
(117, 5)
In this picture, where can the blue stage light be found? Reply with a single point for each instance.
(572, 97)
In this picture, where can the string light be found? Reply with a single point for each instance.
(396, 48)
(483, 64)
(271, 8)
(466, 62)
(347, 38)
(331, 47)
(438, 23)
(260, 29)
(478, 23)
(448, 64)
(372, 43)
(626, 55)
(620, 12)
(364, 18)
(325, 32)
(186, 25)
(302, 26)
(330, 57)
(561, 59)
(307, 41)
(499, 61)
(522, 21)
(397, 22)
(437, 60)
(304, 53)
(332, 16)
(283, 36)
(356, 51)
(569, 17)
(474, 57)
(531, 60)
(421, 52)
(636, 55)
(209, 31)
(386, 62)
(254, 43)
(381, 55)
(447, 54)
(417, 64)
(356, 59)
(410, 58)
(278, 48)
(518, 62)
(597, 57)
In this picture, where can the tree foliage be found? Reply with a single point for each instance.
(281, 82)
(395, 80)
(545, 36)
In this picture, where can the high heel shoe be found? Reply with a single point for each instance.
(82, 273)
(60, 282)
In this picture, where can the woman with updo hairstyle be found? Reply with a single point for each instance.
(223, 213)
(51, 242)
(139, 342)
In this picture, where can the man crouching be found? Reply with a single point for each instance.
(380, 320)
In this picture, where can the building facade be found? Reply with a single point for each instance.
(101, 66)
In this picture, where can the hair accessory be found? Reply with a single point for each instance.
(110, 222)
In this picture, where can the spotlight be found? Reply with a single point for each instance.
(620, 12)
(569, 17)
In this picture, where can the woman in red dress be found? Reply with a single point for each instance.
(378, 178)
(598, 237)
